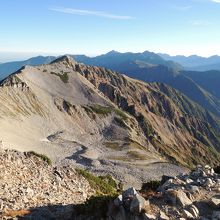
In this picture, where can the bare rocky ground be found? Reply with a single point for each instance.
(27, 182)
(194, 195)
(30, 188)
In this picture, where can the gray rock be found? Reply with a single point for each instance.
(187, 214)
(193, 189)
(138, 204)
(118, 201)
(216, 215)
(178, 197)
(193, 210)
(149, 217)
(163, 216)
(129, 193)
(208, 182)
(215, 200)
(188, 180)
(127, 197)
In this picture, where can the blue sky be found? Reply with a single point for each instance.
(96, 26)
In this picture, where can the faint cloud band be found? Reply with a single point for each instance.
(200, 23)
(90, 13)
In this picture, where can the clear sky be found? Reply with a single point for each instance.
(97, 26)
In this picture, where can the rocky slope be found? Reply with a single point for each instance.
(157, 108)
(95, 118)
(193, 195)
(29, 186)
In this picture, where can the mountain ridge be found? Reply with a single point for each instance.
(141, 113)
(195, 62)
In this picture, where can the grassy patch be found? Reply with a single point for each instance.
(136, 155)
(99, 184)
(120, 113)
(63, 76)
(150, 186)
(17, 80)
(121, 123)
(42, 156)
(96, 207)
(108, 179)
(113, 145)
(120, 158)
(146, 126)
(105, 110)
(101, 110)
(135, 145)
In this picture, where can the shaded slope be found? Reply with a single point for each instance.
(182, 81)
(149, 102)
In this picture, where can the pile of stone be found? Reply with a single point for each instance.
(32, 188)
(29, 183)
(195, 195)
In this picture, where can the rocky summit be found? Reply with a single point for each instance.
(194, 195)
(31, 188)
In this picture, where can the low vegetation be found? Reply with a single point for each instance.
(121, 123)
(41, 156)
(150, 186)
(149, 189)
(105, 110)
(113, 145)
(63, 76)
(136, 155)
(106, 191)
(102, 185)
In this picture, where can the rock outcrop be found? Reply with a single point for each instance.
(195, 195)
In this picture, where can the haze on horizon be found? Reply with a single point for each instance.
(51, 27)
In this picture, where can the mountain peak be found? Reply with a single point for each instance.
(64, 59)
(112, 52)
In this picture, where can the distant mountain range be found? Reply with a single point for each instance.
(195, 62)
(10, 67)
(201, 87)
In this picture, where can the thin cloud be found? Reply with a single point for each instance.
(182, 8)
(200, 23)
(91, 13)
(217, 1)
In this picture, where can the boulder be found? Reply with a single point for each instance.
(138, 204)
(149, 217)
(178, 197)
(193, 189)
(118, 201)
(163, 216)
(193, 210)
(127, 196)
(216, 215)
(187, 214)
(208, 182)
(215, 200)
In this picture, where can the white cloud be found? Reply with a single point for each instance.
(91, 13)
(217, 1)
